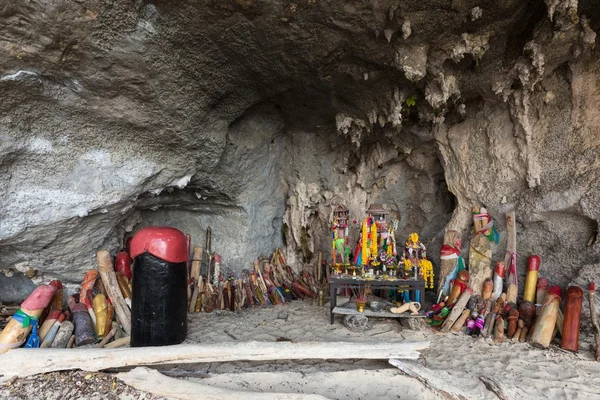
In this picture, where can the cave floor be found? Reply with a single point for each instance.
(453, 363)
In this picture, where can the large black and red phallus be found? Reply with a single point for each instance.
(159, 287)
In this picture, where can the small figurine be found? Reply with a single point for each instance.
(412, 306)
(376, 246)
(414, 258)
(340, 248)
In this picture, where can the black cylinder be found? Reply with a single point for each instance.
(84, 331)
(159, 302)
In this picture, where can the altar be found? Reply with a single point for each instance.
(412, 285)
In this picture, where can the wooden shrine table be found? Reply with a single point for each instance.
(345, 281)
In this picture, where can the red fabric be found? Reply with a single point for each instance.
(123, 264)
(533, 263)
(500, 269)
(168, 244)
(447, 250)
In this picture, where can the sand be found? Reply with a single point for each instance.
(454, 363)
(521, 370)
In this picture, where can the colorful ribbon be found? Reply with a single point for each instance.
(448, 252)
(493, 235)
(23, 318)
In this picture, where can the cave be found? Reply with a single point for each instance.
(257, 118)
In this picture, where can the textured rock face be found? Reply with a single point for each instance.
(256, 117)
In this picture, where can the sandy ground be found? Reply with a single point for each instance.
(454, 362)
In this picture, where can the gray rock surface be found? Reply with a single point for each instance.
(257, 117)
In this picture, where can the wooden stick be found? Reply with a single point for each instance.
(317, 275)
(456, 311)
(196, 264)
(511, 246)
(71, 342)
(152, 381)
(111, 285)
(594, 316)
(25, 362)
(194, 299)
(122, 342)
(207, 249)
(107, 338)
(460, 321)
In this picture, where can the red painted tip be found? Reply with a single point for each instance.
(533, 263)
(542, 283)
(592, 286)
(217, 258)
(555, 290)
(39, 298)
(61, 318)
(56, 283)
(88, 303)
(54, 314)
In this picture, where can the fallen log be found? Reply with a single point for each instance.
(25, 362)
(431, 379)
(152, 381)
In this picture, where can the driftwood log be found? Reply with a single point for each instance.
(109, 279)
(26, 362)
(431, 379)
(447, 265)
(152, 381)
(456, 311)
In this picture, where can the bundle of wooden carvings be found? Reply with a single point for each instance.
(269, 281)
(105, 295)
(487, 306)
(44, 321)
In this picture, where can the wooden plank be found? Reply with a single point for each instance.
(25, 362)
(152, 381)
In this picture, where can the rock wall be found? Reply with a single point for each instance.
(256, 118)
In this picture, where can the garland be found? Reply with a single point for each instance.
(373, 239)
(364, 244)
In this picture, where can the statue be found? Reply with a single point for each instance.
(376, 246)
(414, 258)
(340, 249)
